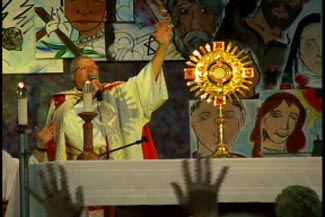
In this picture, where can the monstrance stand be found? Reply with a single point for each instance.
(221, 147)
(218, 72)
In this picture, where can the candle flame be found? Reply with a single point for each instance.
(87, 87)
(21, 85)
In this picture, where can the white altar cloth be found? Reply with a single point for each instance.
(147, 182)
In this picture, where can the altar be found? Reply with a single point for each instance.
(147, 182)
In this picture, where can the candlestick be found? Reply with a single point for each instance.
(22, 103)
(87, 96)
(23, 170)
(88, 152)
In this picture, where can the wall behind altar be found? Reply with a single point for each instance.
(41, 61)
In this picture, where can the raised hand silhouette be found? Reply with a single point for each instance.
(57, 202)
(201, 198)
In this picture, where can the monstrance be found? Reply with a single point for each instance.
(217, 72)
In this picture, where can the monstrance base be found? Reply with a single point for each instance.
(221, 151)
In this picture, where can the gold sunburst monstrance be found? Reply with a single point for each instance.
(217, 72)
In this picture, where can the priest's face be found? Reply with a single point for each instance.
(82, 69)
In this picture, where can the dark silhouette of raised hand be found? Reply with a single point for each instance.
(57, 202)
(202, 196)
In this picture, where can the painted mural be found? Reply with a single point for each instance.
(18, 34)
(239, 118)
(280, 123)
(283, 37)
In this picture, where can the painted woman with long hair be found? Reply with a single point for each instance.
(279, 125)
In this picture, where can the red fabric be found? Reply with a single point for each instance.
(51, 150)
(110, 86)
(148, 148)
(91, 208)
(58, 100)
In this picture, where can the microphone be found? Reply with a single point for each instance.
(99, 94)
(143, 139)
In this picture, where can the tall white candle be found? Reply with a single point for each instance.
(87, 96)
(22, 104)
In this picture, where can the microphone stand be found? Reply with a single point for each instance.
(144, 139)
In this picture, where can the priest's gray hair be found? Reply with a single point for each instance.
(73, 65)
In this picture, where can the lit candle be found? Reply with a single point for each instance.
(22, 104)
(87, 96)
